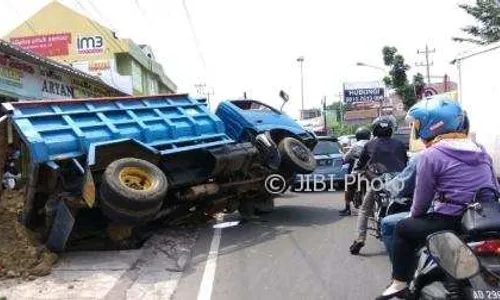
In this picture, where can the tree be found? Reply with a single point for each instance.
(338, 106)
(487, 29)
(398, 78)
(419, 84)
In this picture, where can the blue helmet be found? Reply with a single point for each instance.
(436, 116)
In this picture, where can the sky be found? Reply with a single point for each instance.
(253, 46)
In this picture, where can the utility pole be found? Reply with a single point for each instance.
(324, 112)
(341, 119)
(202, 89)
(301, 61)
(427, 63)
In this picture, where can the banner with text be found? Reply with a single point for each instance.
(29, 81)
(45, 45)
(363, 92)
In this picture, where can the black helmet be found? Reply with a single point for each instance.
(383, 127)
(363, 133)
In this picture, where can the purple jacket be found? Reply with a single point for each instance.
(455, 169)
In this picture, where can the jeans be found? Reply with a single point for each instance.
(411, 234)
(387, 229)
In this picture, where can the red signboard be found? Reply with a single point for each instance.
(45, 45)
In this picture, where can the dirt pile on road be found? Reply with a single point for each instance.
(21, 253)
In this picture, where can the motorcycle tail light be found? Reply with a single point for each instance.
(487, 247)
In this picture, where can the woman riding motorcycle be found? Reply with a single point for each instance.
(451, 168)
(403, 186)
(363, 135)
(381, 155)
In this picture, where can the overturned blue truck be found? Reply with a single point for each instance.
(122, 164)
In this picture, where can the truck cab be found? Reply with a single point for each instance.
(243, 116)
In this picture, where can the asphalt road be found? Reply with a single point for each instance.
(300, 251)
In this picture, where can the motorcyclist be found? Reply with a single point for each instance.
(382, 155)
(403, 186)
(363, 135)
(453, 167)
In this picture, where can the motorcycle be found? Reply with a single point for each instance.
(386, 205)
(449, 268)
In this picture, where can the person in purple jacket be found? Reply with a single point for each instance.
(453, 168)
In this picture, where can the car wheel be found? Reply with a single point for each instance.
(132, 190)
(296, 156)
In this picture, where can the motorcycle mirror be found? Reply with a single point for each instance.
(453, 255)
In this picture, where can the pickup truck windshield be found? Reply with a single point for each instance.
(253, 105)
(326, 147)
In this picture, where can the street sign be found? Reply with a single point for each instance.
(363, 92)
(429, 92)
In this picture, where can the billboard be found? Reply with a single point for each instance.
(45, 45)
(363, 92)
(29, 81)
(90, 44)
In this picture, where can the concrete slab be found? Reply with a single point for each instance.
(66, 285)
(167, 250)
(98, 260)
(154, 285)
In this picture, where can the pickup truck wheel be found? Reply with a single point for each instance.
(297, 158)
(133, 187)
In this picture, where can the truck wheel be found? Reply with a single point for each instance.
(132, 188)
(247, 209)
(265, 206)
(297, 158)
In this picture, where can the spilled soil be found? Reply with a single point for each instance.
(21, 253)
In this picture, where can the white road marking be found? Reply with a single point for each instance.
(207, 281)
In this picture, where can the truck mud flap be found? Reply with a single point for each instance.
(61, 228)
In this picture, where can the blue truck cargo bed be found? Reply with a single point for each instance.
(62, 129)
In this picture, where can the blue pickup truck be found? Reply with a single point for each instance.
(127, 162)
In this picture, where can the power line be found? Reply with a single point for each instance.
(27, 22)
(427, 64)
(99, 29)
(195, 37)
(142, 11)
(101, 15)
(104, 33)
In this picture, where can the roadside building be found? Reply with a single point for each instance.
(440, 88)
(25, 75)
(64, 35)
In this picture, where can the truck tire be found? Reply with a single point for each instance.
(132, 187)
(246, 208)
(297, 158)
(266, 206)
(127, 217)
